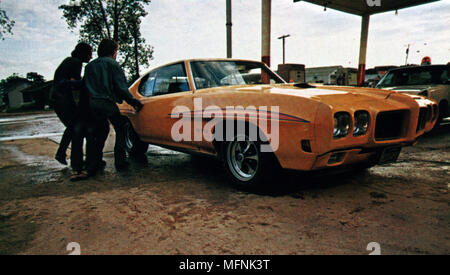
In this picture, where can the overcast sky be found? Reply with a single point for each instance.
(180, 29)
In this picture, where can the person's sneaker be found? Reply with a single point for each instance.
(121, 165)
(78, 175)
(61, 158)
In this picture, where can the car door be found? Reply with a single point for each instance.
(163, 90)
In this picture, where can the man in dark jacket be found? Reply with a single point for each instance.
(66, 80)
(95, 132)
(106, 85)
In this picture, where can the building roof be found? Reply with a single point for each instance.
(13, 83)
(325, 68)
(38, 88)
(361, 7)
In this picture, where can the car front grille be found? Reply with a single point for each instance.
(389, 125)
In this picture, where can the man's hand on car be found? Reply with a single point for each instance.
(137, 105)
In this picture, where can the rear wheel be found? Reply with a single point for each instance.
(134, 146)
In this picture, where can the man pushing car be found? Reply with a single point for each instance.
(106, 85)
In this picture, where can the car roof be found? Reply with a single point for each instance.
(202, 59)
(220, 59)
(442, 66)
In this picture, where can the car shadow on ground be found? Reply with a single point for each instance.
(442, 129)
(283, 183)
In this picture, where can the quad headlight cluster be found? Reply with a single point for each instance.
(343, 124)
(362, 121)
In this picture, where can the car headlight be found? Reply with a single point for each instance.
(342, 124)
(362, 122)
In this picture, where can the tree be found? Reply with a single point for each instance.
(6, 24)
(35, 78)
(119, 20)
(6, 83)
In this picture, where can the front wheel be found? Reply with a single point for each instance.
(245, 164)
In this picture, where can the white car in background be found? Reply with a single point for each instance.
(431, 81)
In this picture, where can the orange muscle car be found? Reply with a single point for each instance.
(249, 117)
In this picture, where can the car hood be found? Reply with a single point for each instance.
(330, 95)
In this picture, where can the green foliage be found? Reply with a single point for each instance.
(6, 83)
(6, 24)
(115, 19)
(35, 78)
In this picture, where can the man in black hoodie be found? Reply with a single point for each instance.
(106, 86)
(66, 81)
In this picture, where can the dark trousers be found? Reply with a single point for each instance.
(95, 133)
(66, 111)
(105, 110)
(80, 131)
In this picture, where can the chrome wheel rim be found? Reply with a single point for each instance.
(128, 136)
(243, 159)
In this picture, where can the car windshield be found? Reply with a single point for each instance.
(425, 75)
(208, 74)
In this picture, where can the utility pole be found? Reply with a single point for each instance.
(266, 13)
(283, 37)
(229, 25)
(407, 54)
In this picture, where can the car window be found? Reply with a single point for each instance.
(209, 74)
(445, 77)
(147, 84)
(165, 80)
(426, 75)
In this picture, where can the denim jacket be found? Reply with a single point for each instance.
(105, 79)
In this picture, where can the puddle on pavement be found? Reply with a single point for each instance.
(51, 173)
(54, 135)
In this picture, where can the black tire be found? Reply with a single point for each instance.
(134, 146)
(443, 113)
(443, 110)
(245, 165)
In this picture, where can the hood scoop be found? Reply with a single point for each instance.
(303, 85)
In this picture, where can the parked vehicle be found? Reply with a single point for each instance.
(431, 81)
(308, 127)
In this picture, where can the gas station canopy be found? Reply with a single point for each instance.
(367, 7)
